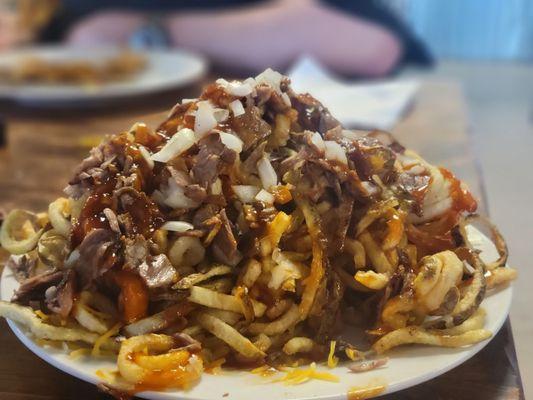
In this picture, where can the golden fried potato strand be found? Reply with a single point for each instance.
(416, 335)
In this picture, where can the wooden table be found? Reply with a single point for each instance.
(43, 148)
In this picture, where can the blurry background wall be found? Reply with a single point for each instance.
(473, 29)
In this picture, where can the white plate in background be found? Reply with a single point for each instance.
(165, 70)
(408, 365)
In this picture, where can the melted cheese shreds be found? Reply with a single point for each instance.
(111, 332)
(298, 376)
(352, 354)
(264, 370)
(41, 315)
(332, 360)
(78, 353)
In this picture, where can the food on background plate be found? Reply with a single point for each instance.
(36, 70)
(250, 230)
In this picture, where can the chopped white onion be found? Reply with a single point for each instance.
(370, 188)
(204, 119)
(222, 82)
(177, 144)
(317, 141)
(285, 270)
(246, 193)
(468, 268)
(232, 142)
(216, 187)
(185, 101)
(146, 155)
(334, 151)
(267, 174)
(236, 108)
(177, 226)
(265, 197)
(416, 170)
(174, 196)
(271, 78)
(250, 81)
(221, 114)
(236, 88)
(173, 109)
(286, 99)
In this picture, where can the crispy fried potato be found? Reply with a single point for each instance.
(229, 335)
(416, 335)
(501, 276)
(229, 317)
(59, 213)
(41, 330)
(179, 367)
(157, 322)
(209, 298)
(194, 279)
(298, 345)
(357, 250)
(375, 254)
(251, 272)
(476, 321)
(20, 232)
(289, 319)
(371, 279)
(262, 342)
(88, 319)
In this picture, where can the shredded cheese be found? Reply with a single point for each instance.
(111, 332)
(332, 360)
(298, 376)
(78, 353)
(41, 315)
(352, 354)
(215, 367)
(264, 370)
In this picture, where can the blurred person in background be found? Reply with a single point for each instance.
(359, 38)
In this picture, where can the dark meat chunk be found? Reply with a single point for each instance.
(326, 306)
(135, 251)
(144, 214)
(369, 157)
(415, 186)
(388, 140)
(126, 224)
(157, 272)
(112, 219)
(22, 266)
(186, 342)
(335, 223)
(195, 192)
(60, 299)
(34, 288)
(97, 253)
(250, 128)
(93, 170)
(263, 93)
(224, 246)
(212, 160)
(249, 165)
(312, 115)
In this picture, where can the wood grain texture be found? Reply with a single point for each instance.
(43, 151)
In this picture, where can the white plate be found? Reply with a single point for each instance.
(408, 366)
(165, 70)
